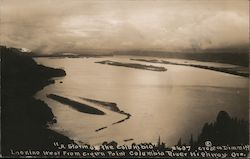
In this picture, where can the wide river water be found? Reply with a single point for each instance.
(171, 104)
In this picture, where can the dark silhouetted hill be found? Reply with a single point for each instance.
(224, 131)
(24, 119)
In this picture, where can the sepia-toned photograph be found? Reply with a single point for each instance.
(124, 78)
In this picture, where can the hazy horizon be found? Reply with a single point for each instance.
(49, 27)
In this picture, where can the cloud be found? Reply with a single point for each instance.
(74, 26)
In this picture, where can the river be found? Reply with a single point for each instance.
(171, 104)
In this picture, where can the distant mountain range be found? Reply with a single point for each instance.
(235, 56)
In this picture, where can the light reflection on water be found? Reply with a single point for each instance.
(169, 104)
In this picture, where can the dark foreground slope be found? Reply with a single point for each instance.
(225, 131)
(24, 119)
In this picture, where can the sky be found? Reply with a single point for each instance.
(52, 26)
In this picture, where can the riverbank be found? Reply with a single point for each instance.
(234, 71)
(24, 119)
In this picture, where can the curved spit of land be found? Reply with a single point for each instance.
(86, 108)
(133, 65)
(230, 70)
(81, 107)
(110, 106)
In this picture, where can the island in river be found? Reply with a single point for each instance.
(133, 65)
(81, 107)
(240, 70)
(89, 109)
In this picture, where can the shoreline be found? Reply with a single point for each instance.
(110, 106)
(218, 69)
(24, 119)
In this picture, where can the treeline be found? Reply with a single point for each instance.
(224, 131)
